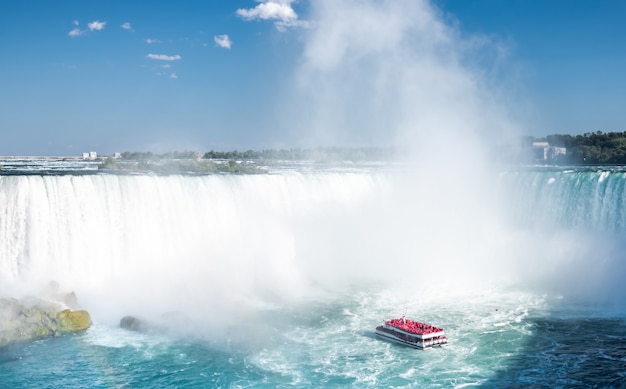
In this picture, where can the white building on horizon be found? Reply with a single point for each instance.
(544, 152)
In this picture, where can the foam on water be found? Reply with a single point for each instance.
(497, 337)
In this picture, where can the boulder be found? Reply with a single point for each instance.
(73, 321)
(166, 322)
(33, 319)
(132, 323)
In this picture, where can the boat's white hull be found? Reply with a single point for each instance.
(425, 345)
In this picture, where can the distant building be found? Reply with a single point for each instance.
(543, 152)
(90, 155)
(554, 152)
(117, 155)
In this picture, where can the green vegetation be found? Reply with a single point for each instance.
(236, 162)
(160, 165)
(322, 154)
(594, 148)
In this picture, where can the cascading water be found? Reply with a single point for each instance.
(181, 240)
(279, 279)
(589, 199)
(572, 223)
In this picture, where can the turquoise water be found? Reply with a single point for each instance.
(279, 280)
(498, 339)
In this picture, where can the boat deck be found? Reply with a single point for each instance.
(412, 333)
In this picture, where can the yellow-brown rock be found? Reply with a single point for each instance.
(73, 321)
(32, 319)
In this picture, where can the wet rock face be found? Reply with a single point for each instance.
(22, 321)
(166, 322)
(73, 321)
(131, 323)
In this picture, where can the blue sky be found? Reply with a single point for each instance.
(198, 75)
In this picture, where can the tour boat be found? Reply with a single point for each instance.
(412, 333)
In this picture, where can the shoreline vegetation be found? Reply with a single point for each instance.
(589, 149)
(157, 164)
(236, 162)
(592, 148)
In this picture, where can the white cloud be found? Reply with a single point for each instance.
(127, 26)
(150, 41)
(164, 57)
(96, 25)
(173, 75)
(223, 41)
(76, 32)
(166, 66)
(278, 10)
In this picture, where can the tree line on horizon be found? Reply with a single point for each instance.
(294, 154)
(592, 148)
(236, 162)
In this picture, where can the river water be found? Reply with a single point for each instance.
(279, 279)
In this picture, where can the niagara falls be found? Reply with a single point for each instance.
(408, 161)
(282, 276)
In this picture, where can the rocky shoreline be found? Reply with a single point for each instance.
(24, 320)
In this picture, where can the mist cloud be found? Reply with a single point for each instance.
(399, 73)
(393, 71)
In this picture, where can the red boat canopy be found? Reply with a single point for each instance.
(412, 326)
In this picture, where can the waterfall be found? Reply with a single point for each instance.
(150, 244)
(173, 238)
(568, 229)
(589, 199)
